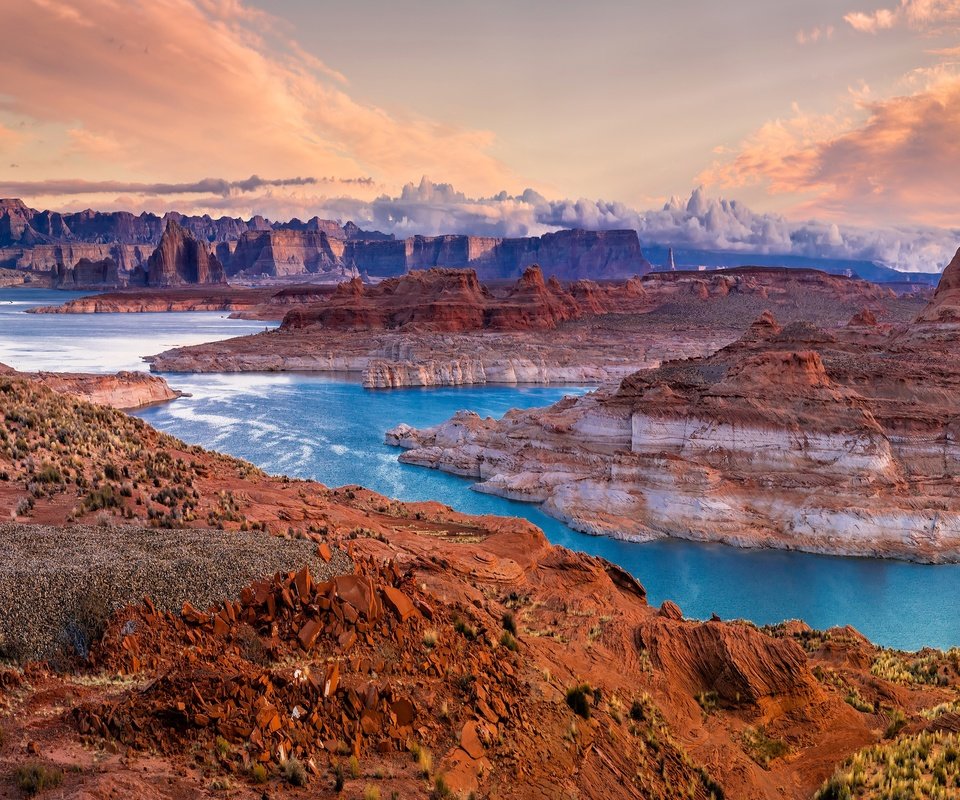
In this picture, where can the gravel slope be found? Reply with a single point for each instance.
(58, 584)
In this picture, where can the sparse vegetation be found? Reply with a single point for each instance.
(510, 623)
(707, 700)
(929, 667)
(923, 766)
(507, 640)
(294, 772)
(577, 699)
(259, 774)
(440, 789)
(464, 628)
(853, 698)
(763, 748)
(34, 778)
(423, 757)
(895, 724)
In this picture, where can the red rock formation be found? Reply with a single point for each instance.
(524, 669)
(180, 259)
(454, 300)
(769, 441)
(945, 305)
(87, 274)
(124, 390)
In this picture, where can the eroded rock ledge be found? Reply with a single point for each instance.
(841, 441)
(125, 390)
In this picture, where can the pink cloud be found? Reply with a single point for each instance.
(921, 15)
(175, 88)
(894, 158)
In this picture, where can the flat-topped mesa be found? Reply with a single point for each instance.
(180, 259)
(446, 300)
(834, 441)
(123, 390)
(766, 282)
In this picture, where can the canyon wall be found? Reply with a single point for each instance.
(46, 241)
(835, 441)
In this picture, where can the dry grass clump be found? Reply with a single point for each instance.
(54, 444)
(923, 766)
(929, 667)
(762, 747)
(34, 778)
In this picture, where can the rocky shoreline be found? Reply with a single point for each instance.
(125, 390)
(834, 441)
(456, 648)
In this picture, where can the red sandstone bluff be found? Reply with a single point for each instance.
(828, 440)
(394, 648)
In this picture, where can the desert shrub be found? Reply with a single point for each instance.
(926, 765)
(34, 778)
(464, 628)
(510, 623)
(707, 701)
(507, 640)
(577, 699)
(104, 496)
(853, 698)
(896, 723)
(251, 646)
(295, 772)
(762, 748)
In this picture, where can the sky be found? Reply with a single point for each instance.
(825, 127)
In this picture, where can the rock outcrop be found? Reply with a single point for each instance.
(838, 441)
(452, 301)
(122, 390)
(184, 298)
(182, 260)
(944, 307)
(47, 241)
(87, 274)
(417, 642)
(427, 329)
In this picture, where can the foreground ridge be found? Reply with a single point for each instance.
(448, 654)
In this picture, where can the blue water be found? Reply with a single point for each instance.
(98, 342)
(333, 431)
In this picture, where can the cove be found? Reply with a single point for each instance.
(332, 431)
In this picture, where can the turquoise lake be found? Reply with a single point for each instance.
(333, 430)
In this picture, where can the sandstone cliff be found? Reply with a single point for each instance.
(417, 641)
(422, 330)
(836, 441)
(566, 254)
(455, 301)
(87, 274)
(180, 259)
(123, 390)
(42, 241)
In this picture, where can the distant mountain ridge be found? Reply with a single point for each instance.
(57, 243)
(51, 242)
(23, 226)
